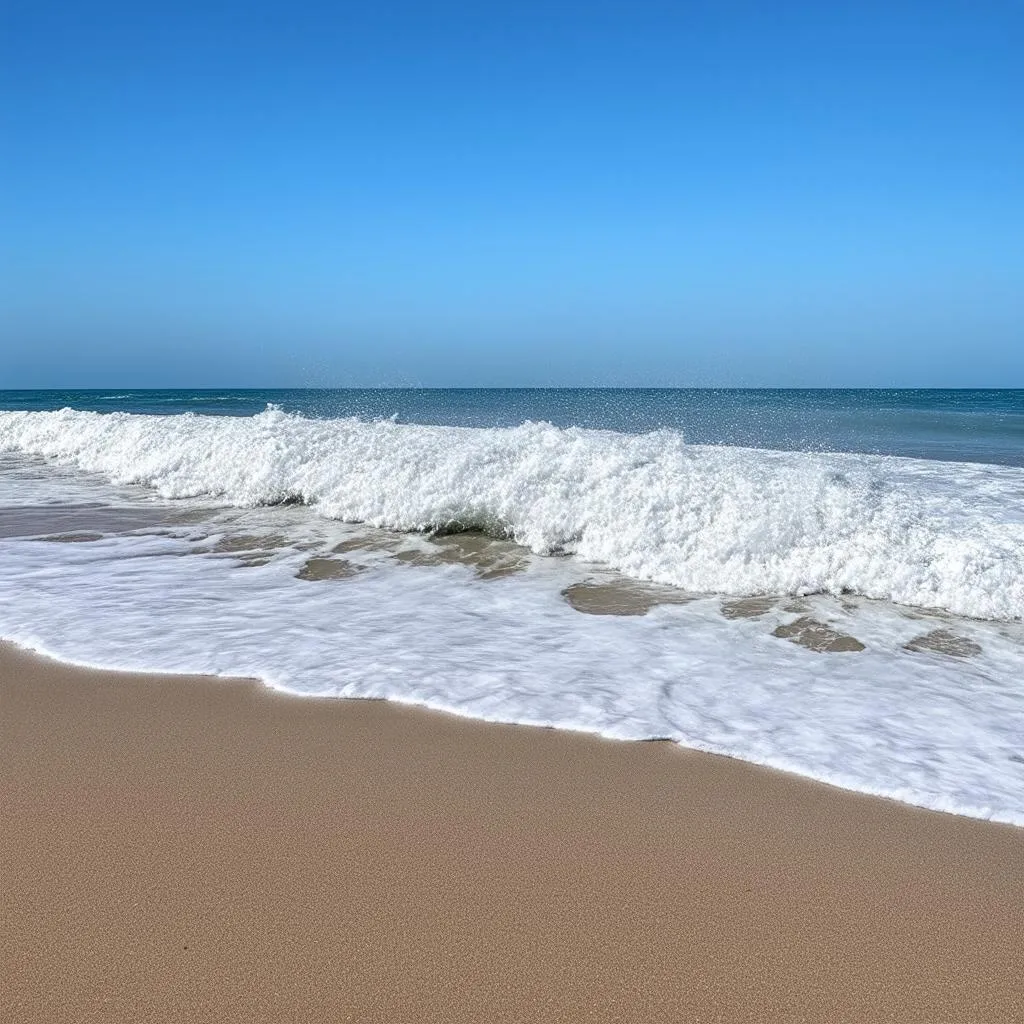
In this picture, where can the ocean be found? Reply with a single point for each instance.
(825, 582)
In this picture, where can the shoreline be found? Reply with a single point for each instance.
(193, 848)
(1010, 820)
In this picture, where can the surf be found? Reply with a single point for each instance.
(703, 518)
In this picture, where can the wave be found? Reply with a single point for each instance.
(706, 519)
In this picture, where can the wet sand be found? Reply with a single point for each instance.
(194, 850)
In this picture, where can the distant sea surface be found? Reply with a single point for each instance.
(953, 425)
(827, 582)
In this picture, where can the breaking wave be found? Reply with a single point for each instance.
(706, 519)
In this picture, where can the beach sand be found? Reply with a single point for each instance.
(179, 849)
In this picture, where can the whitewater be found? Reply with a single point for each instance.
(702, 518)
(321, 555)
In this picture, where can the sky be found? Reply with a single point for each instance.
(532, 194)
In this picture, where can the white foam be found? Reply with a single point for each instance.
(936, 731)
(707, 519)
(928, 728)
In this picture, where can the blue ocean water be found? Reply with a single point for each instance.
(953, 425)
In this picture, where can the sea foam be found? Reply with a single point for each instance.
(914, 704)
(706, 519)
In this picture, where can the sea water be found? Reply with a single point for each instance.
(830, 583)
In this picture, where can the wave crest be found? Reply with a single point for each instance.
(707, 519)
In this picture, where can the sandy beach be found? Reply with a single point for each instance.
(178, 849)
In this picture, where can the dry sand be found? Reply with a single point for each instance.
(196, 850)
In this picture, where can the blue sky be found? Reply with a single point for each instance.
(778, 194)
